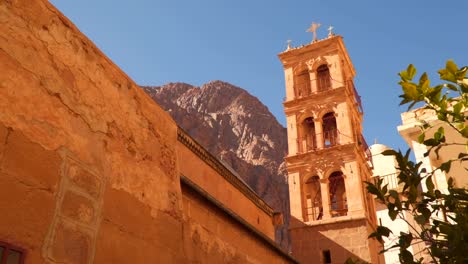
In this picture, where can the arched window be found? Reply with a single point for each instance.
(302, 83)
(313, 199)
(307, 141)
(330, 132)
(337, 191)
(323, 78)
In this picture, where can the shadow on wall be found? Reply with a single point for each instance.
(326, 243)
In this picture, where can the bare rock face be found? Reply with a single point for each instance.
(240, 130)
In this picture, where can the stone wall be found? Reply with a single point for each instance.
(89, 171)
(239, 199)
(215, 236)
(344, 239)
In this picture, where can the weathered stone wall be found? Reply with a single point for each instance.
(222, 190)
(88, 162)
(343, 239)
(218, 238)
(27, 203)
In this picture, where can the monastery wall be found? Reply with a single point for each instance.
(222, 188)
(216, 237)
(89, 166)
(343, 239)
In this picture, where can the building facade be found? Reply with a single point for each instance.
(385, 168)
(328, 158)
(410, 130)
(92, 170)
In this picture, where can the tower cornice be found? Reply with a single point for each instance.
(319, 48)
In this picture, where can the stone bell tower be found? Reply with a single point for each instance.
(328, 159)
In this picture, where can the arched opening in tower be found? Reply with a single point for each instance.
(323, 78)
(313, 199)
(308, 141)
(337, 191)
(302, 83)
(330, 132)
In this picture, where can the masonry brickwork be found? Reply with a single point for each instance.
(91, 169)
(328, 159)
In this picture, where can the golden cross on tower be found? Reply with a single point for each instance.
(330, 31)
(313, 28)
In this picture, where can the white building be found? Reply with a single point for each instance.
(410, 130)
(385, 168)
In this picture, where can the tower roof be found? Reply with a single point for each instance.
(332, 44)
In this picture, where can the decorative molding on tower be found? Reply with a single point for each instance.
(328, 157)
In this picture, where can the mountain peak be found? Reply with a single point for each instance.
(235, 126)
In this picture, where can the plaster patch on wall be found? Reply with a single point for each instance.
(77, 216)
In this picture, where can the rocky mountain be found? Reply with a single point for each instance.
(236, 127)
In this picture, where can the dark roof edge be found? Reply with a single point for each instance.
(225, 172)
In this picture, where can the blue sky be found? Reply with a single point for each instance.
(156, 42)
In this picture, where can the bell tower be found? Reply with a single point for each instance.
(328, 158)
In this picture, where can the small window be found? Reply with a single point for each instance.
(313, 202)
(308, 142)
(337, 191)
(323, 78)
(302, 83)
(330, 132)
(326, 255)
(10, 254)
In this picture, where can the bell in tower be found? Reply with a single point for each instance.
(328, 159)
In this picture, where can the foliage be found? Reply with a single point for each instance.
(440, 217)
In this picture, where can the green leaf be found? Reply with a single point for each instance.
(450, 181)
(405, 239)
(439, 135)
(380, 232)
(442, 116)
(431, 142)
(384, 231)
(464, 131)
(411, 70)
(434, 94)
(430, 184)
(375, 190)
(451, 87)
(406, 256)
(451, 66)
(410, 90)
(408, 75)
(394, 194)
(426, 213)
(446, 166)
(385, 189)
(424, 82)
(464, 87)
(404, 75)
(392, 214)
(448, 75)
(457, 107)
(389, 152)
(421, 138)
(420, 219)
